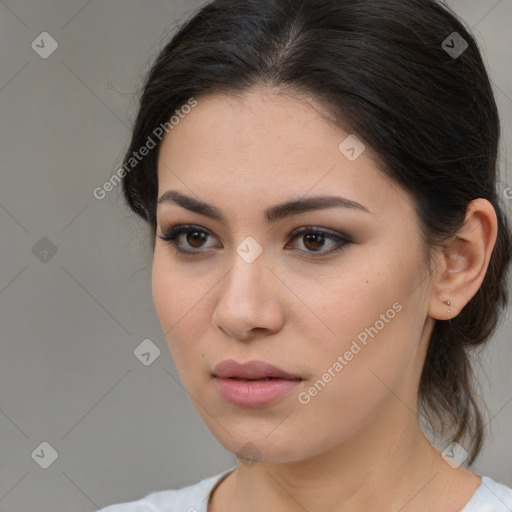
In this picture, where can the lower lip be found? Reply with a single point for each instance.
(256, 393)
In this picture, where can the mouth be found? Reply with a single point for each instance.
(249, 380)
(252, 385)
(251, 371)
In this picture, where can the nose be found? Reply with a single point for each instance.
(249, 302)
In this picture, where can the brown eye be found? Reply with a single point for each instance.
(196, 238)
(190, 240)
(314, 241)
(186, 239)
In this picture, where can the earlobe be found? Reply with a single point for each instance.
(463, 263)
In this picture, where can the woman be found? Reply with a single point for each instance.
(319, 177)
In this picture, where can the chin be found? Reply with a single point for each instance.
(253, 444)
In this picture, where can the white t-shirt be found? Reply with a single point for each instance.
(489, 497)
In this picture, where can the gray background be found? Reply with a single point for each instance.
(69, 376)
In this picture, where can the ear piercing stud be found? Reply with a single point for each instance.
(447, 302)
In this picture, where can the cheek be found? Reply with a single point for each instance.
(176, 292)
(344, 395)
(177, 304)
(164, 286)
(374, 329)
(181, 299)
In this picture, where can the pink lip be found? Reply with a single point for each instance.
(255, 393)
(250, 370)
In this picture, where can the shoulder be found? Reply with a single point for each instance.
(192, 498)
(491, 496)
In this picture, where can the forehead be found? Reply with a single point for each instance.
(244, 121)
(268, 144)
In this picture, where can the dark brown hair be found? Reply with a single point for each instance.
(381, 68)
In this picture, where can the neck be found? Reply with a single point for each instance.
(388, 466)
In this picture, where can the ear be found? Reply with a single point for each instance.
(462, 264)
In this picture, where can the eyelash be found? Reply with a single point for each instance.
(171, 236)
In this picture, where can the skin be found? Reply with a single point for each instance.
(357, 445)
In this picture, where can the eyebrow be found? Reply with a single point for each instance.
(272, 214)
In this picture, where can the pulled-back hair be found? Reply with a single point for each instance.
(382, 69)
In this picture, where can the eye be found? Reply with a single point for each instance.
(194, 237)
(313, 240)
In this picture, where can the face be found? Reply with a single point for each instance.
(335, 296)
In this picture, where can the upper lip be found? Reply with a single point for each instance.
(250, 370)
